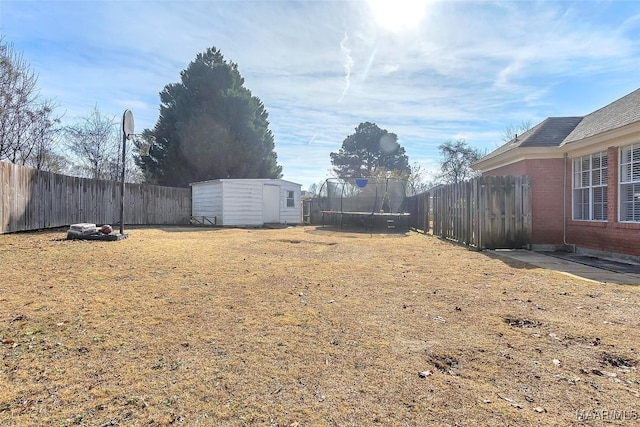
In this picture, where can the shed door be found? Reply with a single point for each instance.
(270, 203)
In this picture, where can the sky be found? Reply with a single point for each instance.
(427, 70)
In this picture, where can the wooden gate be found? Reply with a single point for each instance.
(486, 213)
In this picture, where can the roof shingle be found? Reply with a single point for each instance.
(622, 112)
(551, 132)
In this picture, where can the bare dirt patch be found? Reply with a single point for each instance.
(306, 327)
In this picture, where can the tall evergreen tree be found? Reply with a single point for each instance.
(210, 127)
(368, 152)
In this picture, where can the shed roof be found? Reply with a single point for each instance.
(263, 180)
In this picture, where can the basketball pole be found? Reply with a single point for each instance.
(128, 129)
(124, 155)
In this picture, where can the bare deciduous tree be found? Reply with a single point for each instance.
(40, 150)
(512, 130)
(457, 158)
(421, 179)
(27, 123)
(95, 142)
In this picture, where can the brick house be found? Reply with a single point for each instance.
(585, 174)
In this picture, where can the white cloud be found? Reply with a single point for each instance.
(321, 68)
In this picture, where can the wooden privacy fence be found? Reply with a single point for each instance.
(419, 208)
(487, 213)
(31, 199)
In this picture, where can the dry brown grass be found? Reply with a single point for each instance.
(315, 327)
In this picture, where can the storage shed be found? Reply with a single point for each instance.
(246, 202)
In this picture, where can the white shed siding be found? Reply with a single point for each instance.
(242, 201)
(206, 200)
(239, 202)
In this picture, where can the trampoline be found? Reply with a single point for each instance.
(366, 203)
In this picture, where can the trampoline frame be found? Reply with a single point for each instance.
(368, 218)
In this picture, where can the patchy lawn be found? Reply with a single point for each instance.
(305, 327)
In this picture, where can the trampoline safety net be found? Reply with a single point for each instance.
(346, 199)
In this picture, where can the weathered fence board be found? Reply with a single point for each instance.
(419, 207)
(486, 213)
(31, 199)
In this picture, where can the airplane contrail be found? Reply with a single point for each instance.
(348, 64)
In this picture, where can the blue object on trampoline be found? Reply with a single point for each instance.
(362, 182)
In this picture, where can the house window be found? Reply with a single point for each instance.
(290, 199)
(590, 187)
(630, 183)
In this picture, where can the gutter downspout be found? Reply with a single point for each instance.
(564, 207)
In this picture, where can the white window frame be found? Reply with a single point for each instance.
(291, 199)
(629, 183)
(589, 189)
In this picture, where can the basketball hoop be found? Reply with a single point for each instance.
(127, 124)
